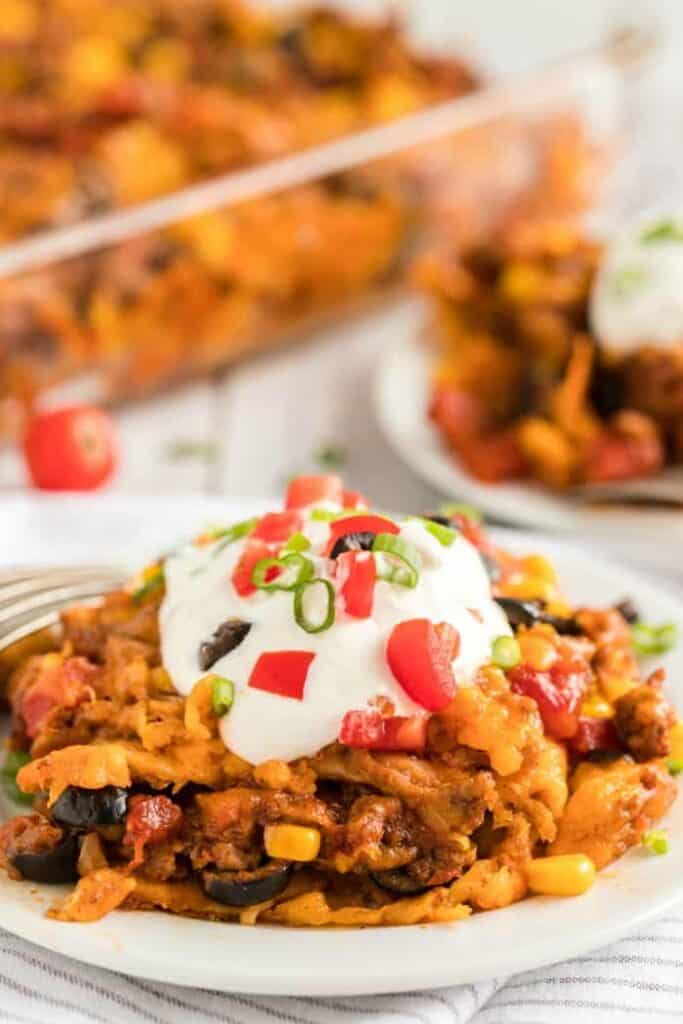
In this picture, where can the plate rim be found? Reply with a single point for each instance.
(258, 970)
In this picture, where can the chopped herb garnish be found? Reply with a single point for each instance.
(304, 619)
(284, 573)
(330, 456)
(153, 582)
(627, 280)
(208, 451)
(650, 640)
(15, 760)
(656, 841)
(297, 542)
(398, 562)
(667, 230)
(506, 652)
(444, 534)
(674, 765)
(222, 696)
(324, 515)
(457, 508)
(230, 534)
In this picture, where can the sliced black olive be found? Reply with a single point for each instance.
(628, 610)
(362, 541)
(244, 888)
(225, 638)
(491, 566)
(437, 517)
(526, 613)
(398, 881)
(88, 808)
(52, 867)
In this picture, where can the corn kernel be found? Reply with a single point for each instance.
(597, 707)
(537, 652)
(568, 874)
(615, 687)
(521, 282)
(676, 736)
(537, 565)
(292, 842)
(530, 588)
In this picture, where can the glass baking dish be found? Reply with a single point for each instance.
(122, 304)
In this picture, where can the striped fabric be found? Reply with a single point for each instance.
(636, 981)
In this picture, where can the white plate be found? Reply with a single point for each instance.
(401, 398)
(270, 960)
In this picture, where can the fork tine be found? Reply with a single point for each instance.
(10, 593)
(25, 611)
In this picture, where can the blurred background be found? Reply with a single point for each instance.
(244, 428)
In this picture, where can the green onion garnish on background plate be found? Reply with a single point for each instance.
(674, 765)
(649, 640)
(303, 595)
(459, 508)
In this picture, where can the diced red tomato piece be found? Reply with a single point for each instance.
(419, 655)
(615, 456)
(307, 490)
(594, 734)
(359, 524)
(66, 685)
(254, 551)
(282, 672)
(474, 532)
(494, 457)
(356, 576)
(368, 730)
(70, 449)
(458, 413)
(354, 499)
(277, 526)
(150, 819)
(558, 693)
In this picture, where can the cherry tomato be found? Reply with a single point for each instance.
(70, 449)
(307, 490)
(282, 672)
(254, 551)
(277, 526)
(356, 576)
(419, 655)
(368, 730)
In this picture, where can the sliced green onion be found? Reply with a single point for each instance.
(230, 534)
(15, 760)
(297, 542)
(505, 652)
(459, 508)
(399, 561)
(674, 765)
(445, 535)
(149, 586)
(324, 515)
(648, 640)
(667, 230)
(302, 616)
(293, 569)
(222, 696)
(656, 840)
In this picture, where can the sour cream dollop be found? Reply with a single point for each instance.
(637, 295)
(349, 670)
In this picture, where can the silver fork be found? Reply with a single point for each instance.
(30, 599)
